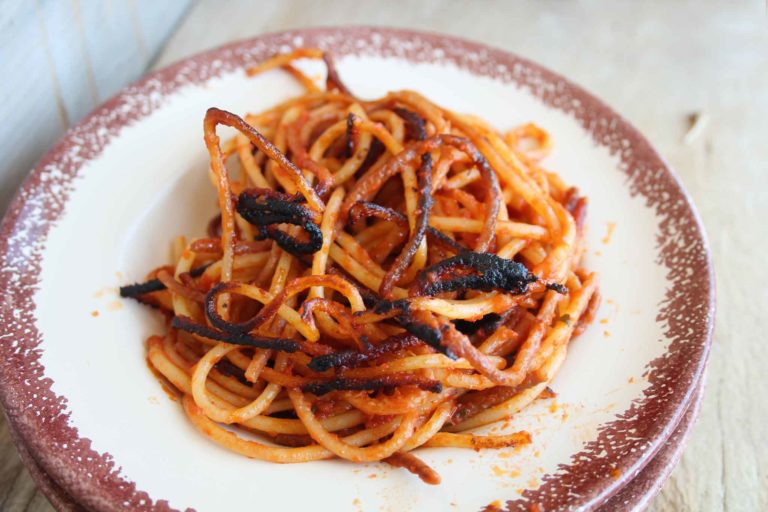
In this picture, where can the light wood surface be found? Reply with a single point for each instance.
(59, 59)
(656, 62)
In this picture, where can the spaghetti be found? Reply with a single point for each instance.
(383, 275)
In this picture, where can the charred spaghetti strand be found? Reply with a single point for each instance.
(216, 116)
(492, 190)
(404, 259)
(280, 344)
(365, 209)
(265, 208)
(490, 273)
(390, 381)
(354, 358)
(400, 311)
(333, 81)
(416, 127)
(154, 285)
(212, 311)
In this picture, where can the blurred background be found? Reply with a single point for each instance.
(691, 75)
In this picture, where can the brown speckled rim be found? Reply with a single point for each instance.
(622, 446)
(640, 491)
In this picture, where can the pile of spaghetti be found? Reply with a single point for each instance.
(383, 275)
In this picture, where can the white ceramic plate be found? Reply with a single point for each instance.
(100, 208)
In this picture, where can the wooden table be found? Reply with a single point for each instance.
(657, 63)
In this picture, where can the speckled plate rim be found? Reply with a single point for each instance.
(638, 493)
(40, 416)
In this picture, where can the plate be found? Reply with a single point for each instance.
(99, 209)
(636, 495)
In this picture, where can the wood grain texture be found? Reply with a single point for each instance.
(61, 58)
(17, 489)
(656, 62)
